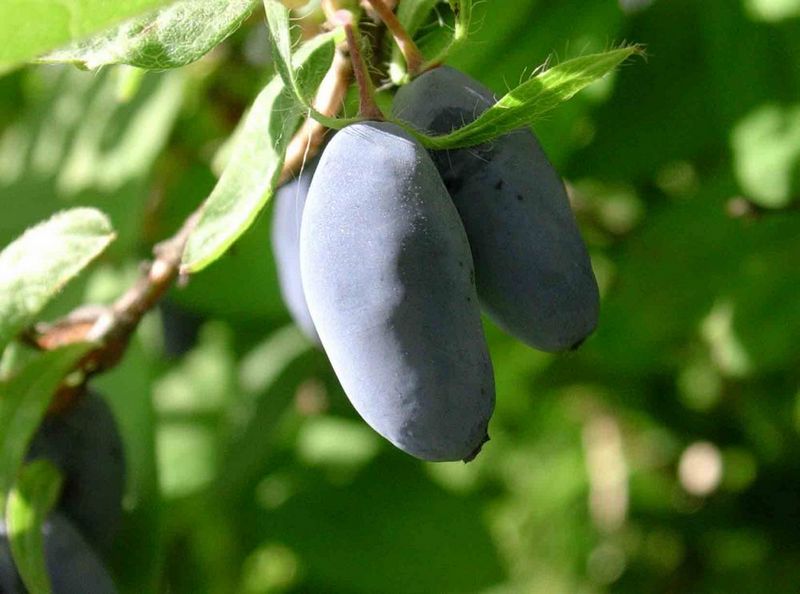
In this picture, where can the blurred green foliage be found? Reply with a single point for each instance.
(664, 456)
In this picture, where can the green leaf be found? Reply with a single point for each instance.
(23, 401)
(253, 169)
(30, 27)
(524, 104)
(301, 79)
(33, 496)
(172, 37)
(35, 267)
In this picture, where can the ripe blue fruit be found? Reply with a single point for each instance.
(71, 564)
(389, 281)
(85, 445)
(533, 271)
(290, 200)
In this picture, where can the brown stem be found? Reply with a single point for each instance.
(366, 91)
(307, 141)
(408, 48)
(128, 310)
(112, 327)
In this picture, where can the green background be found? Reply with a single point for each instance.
(661, 457)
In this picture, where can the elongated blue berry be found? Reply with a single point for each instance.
(389, 280)
(534, 275)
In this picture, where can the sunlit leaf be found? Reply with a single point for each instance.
(533, 98)
(172, 37)
(35, 267)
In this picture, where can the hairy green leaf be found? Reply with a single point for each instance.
(169, 38)
(30, 27)
(34, 495)
(36, 266)
(300, 79)
(524, 104)
(23, 400)
(253, 169)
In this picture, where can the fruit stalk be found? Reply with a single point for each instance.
(367, 107)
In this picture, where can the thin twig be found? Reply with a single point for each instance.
(128, 310)
(111, 327)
